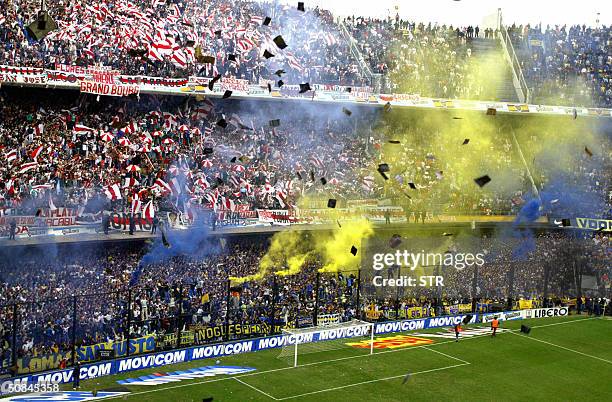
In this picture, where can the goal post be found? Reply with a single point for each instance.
(312, 340)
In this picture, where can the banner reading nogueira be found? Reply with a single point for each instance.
(102, 88)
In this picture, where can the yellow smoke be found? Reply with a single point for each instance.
(291, 249)
(431, 141)
(335, 251)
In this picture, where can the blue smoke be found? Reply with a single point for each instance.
(193, 243)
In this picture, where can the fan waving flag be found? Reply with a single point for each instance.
(11, 155)
(27, 167)
(36, 152)
(113, 192)
(163, 186)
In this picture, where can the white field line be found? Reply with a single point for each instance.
(564, 322)
(316, 363)
(370, 381)
(449, 356)
(287, 368)
(255, 388)
(561, 347)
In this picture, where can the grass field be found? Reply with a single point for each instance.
(564, 359)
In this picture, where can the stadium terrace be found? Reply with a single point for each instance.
(211, 200)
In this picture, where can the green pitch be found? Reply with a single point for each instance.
(564, 359)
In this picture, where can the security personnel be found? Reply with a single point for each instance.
(494, 325)
(13, 229)
(76, 376)
(457, 330)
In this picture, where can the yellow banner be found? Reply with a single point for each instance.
(484, 218)
(84, 354)
(605, 225)
(204, 334)
(525, 304)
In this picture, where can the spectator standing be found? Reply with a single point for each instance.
(76, 376)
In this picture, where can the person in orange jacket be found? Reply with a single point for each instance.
(457, 330)
(494, 325)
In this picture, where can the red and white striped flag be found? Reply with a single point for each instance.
(228, 204)
(36, 152)
(179, 59)
(130, 182)
(330, 40)
(293, 62)
(203, 109)
(27, 167)
(11, 155)
(149, 211)
(316, 161)
(154, 54)
(201, 182)
(281, 196)
(244, 45)
(113, 192)
(163, 186)
(136, 205)
(212, 198)
(176, 186)
(78, 128)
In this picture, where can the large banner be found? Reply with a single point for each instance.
(42, 223)
(458, 308)
(85, 354)
(277, 216)
(108, 89)
(118, 366)
(604, 225)
(73, 76)
(206, 334)
(545, 312)
(502, 316)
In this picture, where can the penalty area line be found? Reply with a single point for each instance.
(562, 347)
(369, 382)
(255, 388)
(564, 322)
(257, 373)
(447, 355)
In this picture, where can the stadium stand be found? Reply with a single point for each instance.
(570, 65)
(210, 159)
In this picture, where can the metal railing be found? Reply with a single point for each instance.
(374, 78)
(523, 91)
(48, 334)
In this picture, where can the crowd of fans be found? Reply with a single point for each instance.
(567, 65)
(153, 39)
(101, 155)
(429, 60)
(110, 305)
(563, 65)
(189, 154)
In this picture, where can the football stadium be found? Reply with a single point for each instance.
(257, 200)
